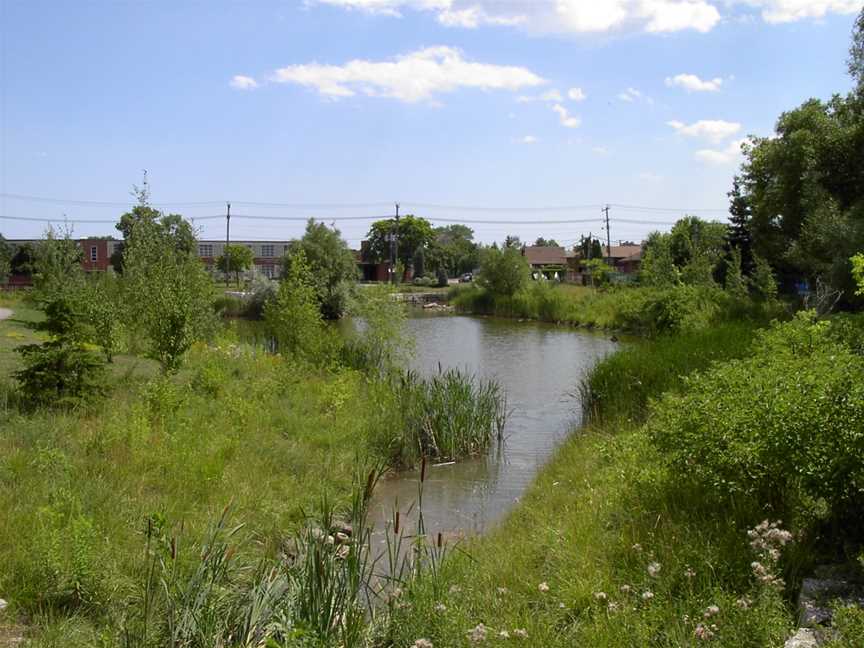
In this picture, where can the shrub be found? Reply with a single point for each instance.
(61, 372)
(294, 316)
(503, 271)
(783, 427)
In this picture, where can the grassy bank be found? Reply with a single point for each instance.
(642, 310)
(608, 548)
(78, 489)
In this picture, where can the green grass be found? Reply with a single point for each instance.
(235, 425)
(597, 516)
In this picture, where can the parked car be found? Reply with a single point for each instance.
(467, 277)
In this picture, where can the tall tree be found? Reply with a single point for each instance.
(5, 259)
(856, 53)
(414, 232)
(542, 242)
(504, 271)
(235, 259)
(331, 262)
(56, 264)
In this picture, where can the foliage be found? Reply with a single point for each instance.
(735, 283)
(100, 302)
(658, 268)
(803, 187)
(174, 229)
(858, 272)
(503, 272)
(452, 251)
(542, 242)
(23, 259)
(690, 253)
(590, 248)
(62, 371)
(856, 53)
(782, 427)
(294, 316)
(600, 271)
(414, 233)
(56, 265)
(5, 259)
(381, 344)
(262, 291)
(331, 263)
(763, 280)
(168, 292)
(235, 259)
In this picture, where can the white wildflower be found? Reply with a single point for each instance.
(543, 587)
(710, 611)
(647, 595)
(477, 634)
(521, 633)
(654, 569)
(422, 643)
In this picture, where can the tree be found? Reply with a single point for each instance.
(763, 280)
(589, 248)
(453, 250)
(57, 265)
(504, 271)
(236, 259)
(178, 232)
(600, 271)
(738, 235)
(294, 315)
(101, 304)
(23, 260)
(856, 53)
(5, 259)
(60, 372)
(171, 291)
(658, 268)
(331, 263)
(858, 272)
(735, 282)
(512, 242)
(414, 233)
(542, 242)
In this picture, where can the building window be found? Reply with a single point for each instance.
(267, 251)
(93, 253)
(205, 250)
(268, 271)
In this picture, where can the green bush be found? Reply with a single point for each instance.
(61, 372)
(784, 427)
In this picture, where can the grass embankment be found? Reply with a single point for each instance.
(608, 548)
(642, 310)
(77, 489)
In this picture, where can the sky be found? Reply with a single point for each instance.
(523, 111)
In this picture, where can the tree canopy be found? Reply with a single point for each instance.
(235, 259)
(414, 233)
(503, 271)
(331, 265)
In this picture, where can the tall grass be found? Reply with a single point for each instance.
(446, 416)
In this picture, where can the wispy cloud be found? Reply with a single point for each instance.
(714, 130)
(549, 95)
(418, 76)
(240, 82)
(528, 139)
(784, 11)
(567, 120)
(576, 94)
(692, 83)
(631, 95)
(727, 155)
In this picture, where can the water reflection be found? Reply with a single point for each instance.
(539, 367)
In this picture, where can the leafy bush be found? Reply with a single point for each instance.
(784, 427)
(294, 316)
(503, 271)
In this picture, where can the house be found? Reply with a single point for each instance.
(549, 261)
(626, 258)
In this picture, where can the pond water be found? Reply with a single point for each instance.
(539, 366)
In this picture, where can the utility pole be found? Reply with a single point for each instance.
(590, 245)
(396, 245)
(608, 237)
(228, 225)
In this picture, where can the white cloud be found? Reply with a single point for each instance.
(649, 176)
(632, 94)
(576, 94)
(549, 95)
(727, 155)
(600, 150)
(566, 119)
(692, 83)
(528, 139)
(601, 16)
(413, 77)
(554, 16)
(715, 130)
(240, 82)
(783, 11)
(672, 16)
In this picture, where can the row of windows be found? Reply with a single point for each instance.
(267, 251)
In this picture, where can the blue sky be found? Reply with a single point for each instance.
(351, 103)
